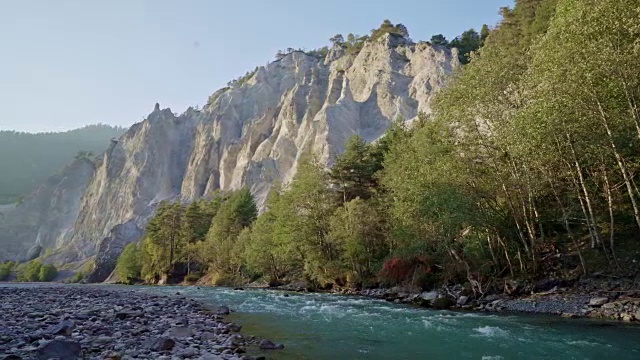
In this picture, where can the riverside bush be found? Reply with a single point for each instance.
(36, 271)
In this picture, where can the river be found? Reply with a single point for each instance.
(324, 326)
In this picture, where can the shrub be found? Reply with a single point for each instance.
(5, 270)
(47, 273)
(77, 277)
(193, 277)
(129, 265)
(31, 272)
(221, 279)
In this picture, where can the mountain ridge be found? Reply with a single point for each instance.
(249, 134)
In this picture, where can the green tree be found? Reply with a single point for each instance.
(47, 273)
(6, 269)
(129, 264)
(362, 228)
(30, 272)
(354, 170)
(467, 43)
(161, 245)
(272, 250)
(236, 213)
(312, 204)
(440, 40)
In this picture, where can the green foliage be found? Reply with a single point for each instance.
(47, 273)
(440, 40)
(42, 154)
(129, 264)
(361, 227)
(387, 27)
(77, 277)
(529, 156)
(192, 277)
(162, 243)
(36, 271)
(86, 155)
(354, 43)
(222, 246)
(467, 43)
(354, 170)
(272, 250)
(242, 79)
(6, 269)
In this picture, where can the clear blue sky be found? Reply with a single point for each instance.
(68, 63)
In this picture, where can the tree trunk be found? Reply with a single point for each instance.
(612, 246)
(619, 160)
(565, 218)
(587, 199)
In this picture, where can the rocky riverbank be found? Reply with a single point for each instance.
(88, 322)
(589, 298)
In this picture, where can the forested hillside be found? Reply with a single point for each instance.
(526, 169)
(28, 159)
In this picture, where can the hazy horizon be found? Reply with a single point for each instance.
(78, 63)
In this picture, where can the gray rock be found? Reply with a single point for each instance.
(12, 357)
(179, 332)
(598, 301)
(63, 328)
(60, 349)
(268, 345)
(162, 343)
(208, 336)
(429, 295)
(463, 300)
(188, 352)
(209, 356)
(223, 310)
(33, 252)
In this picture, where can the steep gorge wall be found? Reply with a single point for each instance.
(251, 134)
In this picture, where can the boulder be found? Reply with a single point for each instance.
(442, 303)
(122, 315)
(463, 300)
(179, 332)
(223, 310)
(63, 328)
(429, 295)
(268, 345)
(598, 301)
(491, 298)
(12, 357)
(188, 352)
(609, 306)
(59, 349)
(209, 356)
(208, 336)
(162, 343)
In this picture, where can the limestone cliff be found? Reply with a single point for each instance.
(251, 133)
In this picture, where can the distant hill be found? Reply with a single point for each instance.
(26, 159)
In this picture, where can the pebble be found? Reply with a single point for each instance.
(88, 322)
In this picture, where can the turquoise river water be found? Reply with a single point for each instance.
(323, 326)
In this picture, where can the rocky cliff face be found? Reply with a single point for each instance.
(249, 134)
